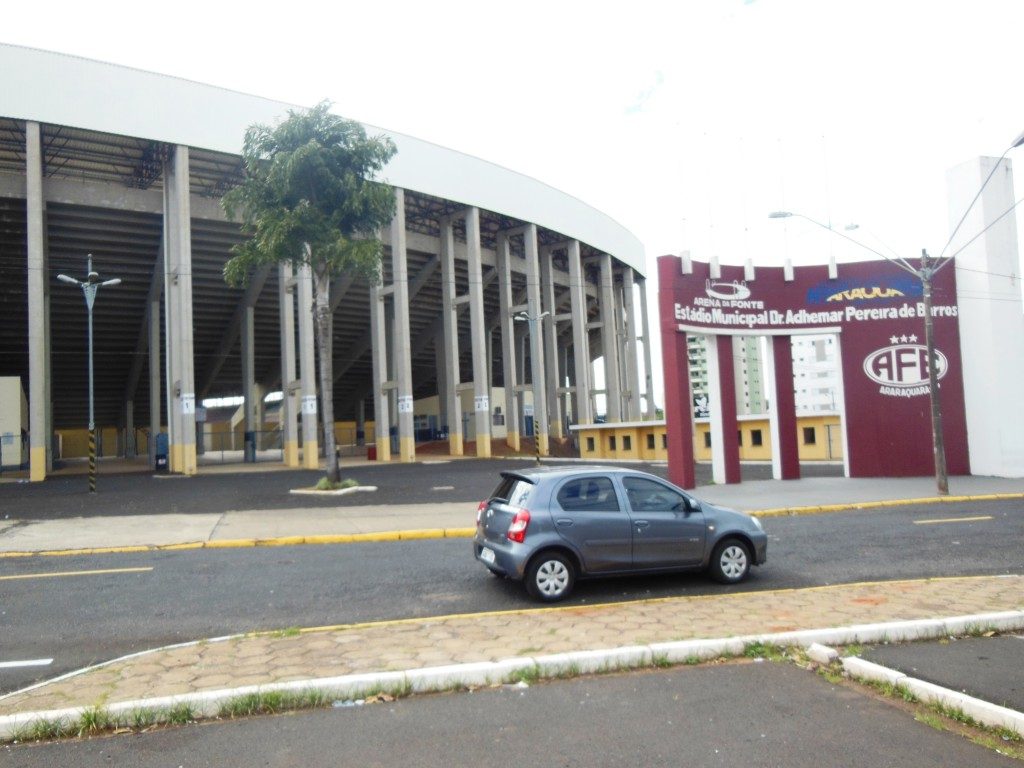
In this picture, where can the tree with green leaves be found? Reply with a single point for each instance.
(310, 196)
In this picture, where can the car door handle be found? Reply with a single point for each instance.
(641, 523)
(564, 522)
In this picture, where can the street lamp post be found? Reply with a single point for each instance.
(540, 408)
(925, 272)
(89, 287)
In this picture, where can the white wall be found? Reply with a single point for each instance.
(991, 318)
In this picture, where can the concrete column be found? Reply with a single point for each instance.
(361, 423)
(307, 369)
(155, 422)
(509, 367)
(549, 333)
(478, 329)
(403, 358)
(450, 330)
(537, 377)
(782, 409)
(580, 339)
(381, 412)
(725, 449)
(247, 340)
(629, 325)
(650, 407)
(181, 397)
(129, 430)
(289, 412)
(609, 344)
(40, 458)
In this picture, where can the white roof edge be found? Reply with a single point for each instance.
(63, 89)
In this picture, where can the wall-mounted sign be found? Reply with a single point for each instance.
(188, 403)
(405, 404)
(482, 403)
(309, 405)
(876, 312)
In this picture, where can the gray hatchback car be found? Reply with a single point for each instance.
(548, 526)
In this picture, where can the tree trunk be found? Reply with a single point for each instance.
(324, 351)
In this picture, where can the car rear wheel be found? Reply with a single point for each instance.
(730, 562)
(550, 577)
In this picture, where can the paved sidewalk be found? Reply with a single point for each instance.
(370, 519)
(432, 642)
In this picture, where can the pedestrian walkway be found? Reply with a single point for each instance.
(382, 647)
(363, 516)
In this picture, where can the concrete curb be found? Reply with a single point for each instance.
(338, 492)
(825, 508)
(280, 541)
(979, 710)
(207, 704)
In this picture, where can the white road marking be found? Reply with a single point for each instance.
(443, 488)
(61, 574)
(953, 520)
(27, 663)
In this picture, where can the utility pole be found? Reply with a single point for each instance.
(89, 287)
(925, 273)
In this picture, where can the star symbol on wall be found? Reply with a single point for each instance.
(913, 339)
(894, 339)
(903, 339)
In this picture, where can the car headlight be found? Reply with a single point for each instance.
(757, 523)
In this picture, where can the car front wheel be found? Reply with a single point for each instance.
(550, 577)
(730, 562)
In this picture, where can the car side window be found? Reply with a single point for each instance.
(649, 496)
(588, 494)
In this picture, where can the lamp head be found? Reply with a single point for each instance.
(779, 215)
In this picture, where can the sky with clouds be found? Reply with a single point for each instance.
(687, 121)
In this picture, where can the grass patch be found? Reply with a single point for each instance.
(529, 675)
(93, 720)
(761, 650)
(661, 660)
(181, 714)
(286, 632)
(325, 484)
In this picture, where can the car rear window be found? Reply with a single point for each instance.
(512, 490)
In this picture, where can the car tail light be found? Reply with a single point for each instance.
(480, 511)
(517, 530)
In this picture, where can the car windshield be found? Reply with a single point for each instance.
(512, 490)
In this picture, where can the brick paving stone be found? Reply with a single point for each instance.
(252, 660)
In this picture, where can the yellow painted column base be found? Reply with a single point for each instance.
(542, 442)
(183, 459)
(291, 453)
(455, 446)
(311, 454)
(512, 440)
(407, 448)
(483, 448)
(37, 464)
(384, 449)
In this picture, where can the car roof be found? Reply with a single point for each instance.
(534, 473)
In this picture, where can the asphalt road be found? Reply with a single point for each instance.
(746, 714)
(83, 617)
(988, 668)
(137, 493)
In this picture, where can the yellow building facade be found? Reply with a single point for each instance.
(819, 438)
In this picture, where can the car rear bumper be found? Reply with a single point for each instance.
(505, 560)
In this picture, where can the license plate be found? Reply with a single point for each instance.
(487, 555)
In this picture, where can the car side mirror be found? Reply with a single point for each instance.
(692, 505)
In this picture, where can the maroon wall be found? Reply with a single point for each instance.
(875, 308)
